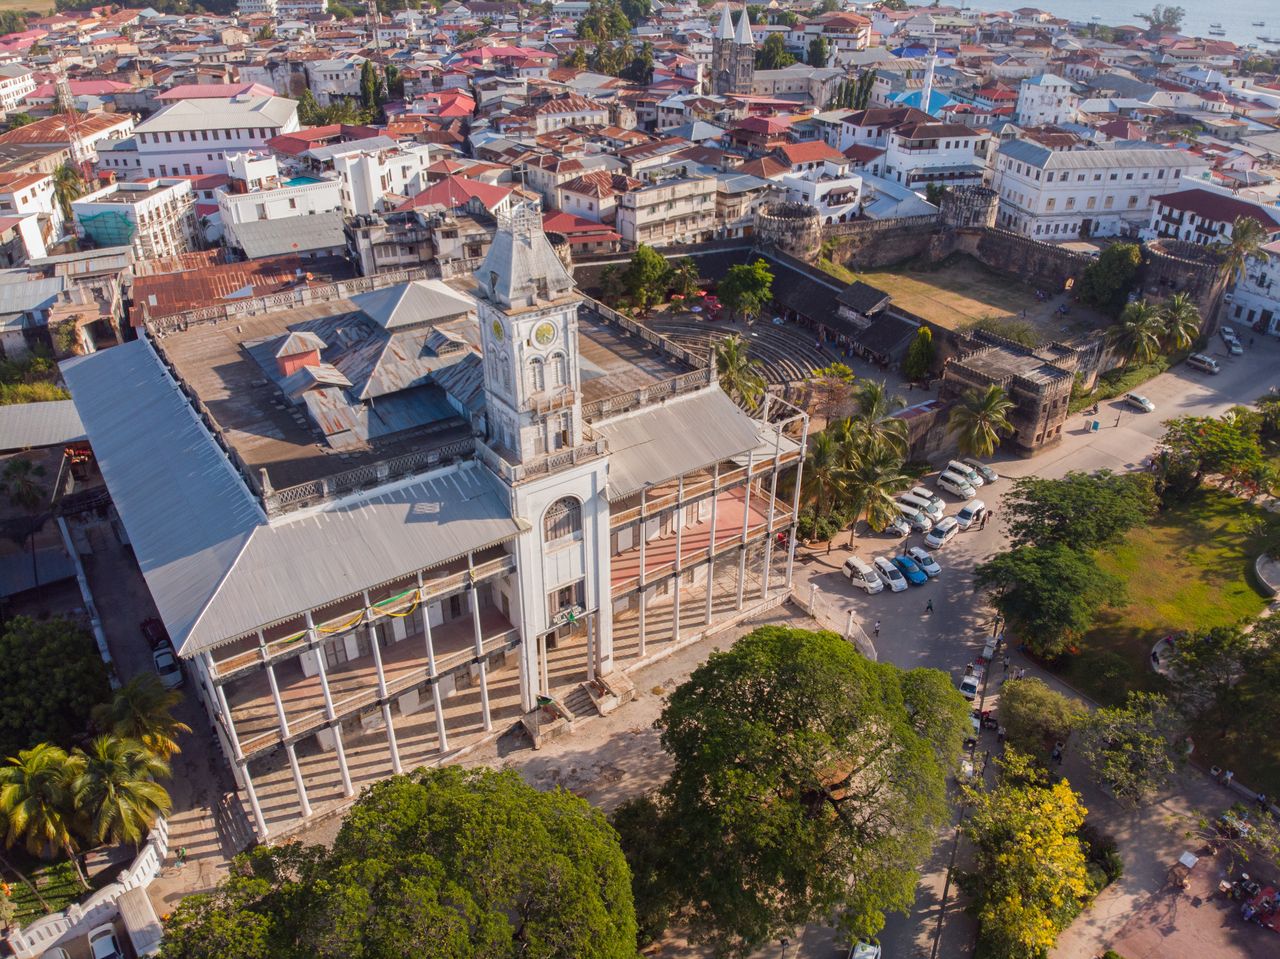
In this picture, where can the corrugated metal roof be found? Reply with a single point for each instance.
(291, 234)
(215, 568)
(27, 425)
(413, 304)
(658, 443)
(187, 513)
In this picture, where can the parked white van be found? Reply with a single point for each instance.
(917, 517)
(927, 494)
(862, 575)
(965, 470)
(971, 513)
(890, 574)
(935, 509)
(1202, 362)
(956, 485)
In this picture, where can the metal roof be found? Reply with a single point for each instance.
(24, 426)
(658, 443)
(215, 568)
(413, 304)
(291, 234)
(187, 513)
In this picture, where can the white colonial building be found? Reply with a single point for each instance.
(1046, 100)
(255, 193)
(523, 507)
(1103, 190)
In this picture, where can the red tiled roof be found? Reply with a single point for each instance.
(810, 152)
(455, 191)
(1218, 208)
(211, 91)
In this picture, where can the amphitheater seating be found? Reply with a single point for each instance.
(788, 353)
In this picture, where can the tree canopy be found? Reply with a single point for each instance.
(645, 279)
(1049, 595)
(808, 782)
(1081, 510)
(1108, 279)
(1030, 874)
(773, 53)
(1035, 715)
(51, 677)
(1226, 445)
(446, 863)
(919, 358)
(747, 288)
(1128, 748)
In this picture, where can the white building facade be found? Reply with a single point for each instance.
(1046, 100)
(1104, 191)
(157, 218)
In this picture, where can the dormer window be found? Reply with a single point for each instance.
(493, 284)
(543, 291)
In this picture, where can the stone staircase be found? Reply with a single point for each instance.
(578, 702)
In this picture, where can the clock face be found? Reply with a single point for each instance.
(498, 333)
(544, 333)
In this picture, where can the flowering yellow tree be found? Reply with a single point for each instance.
(1030, 878)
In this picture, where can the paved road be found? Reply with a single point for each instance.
(955, 631)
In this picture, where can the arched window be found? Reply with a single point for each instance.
(563, 519)
(537, 375)
(557, 370)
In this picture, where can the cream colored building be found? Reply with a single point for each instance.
(676, 210)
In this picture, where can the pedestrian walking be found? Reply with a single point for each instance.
(1006, 662)
(1000, 734)
(983, 524)
(1057, 754)
(1227, 777)
(928, 607)
(1022, 672)
(1262, 801)
(877, 628)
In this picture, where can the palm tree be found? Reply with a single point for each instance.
(870, 483)
(35, 794)
(1136, 335)
(739, 375)
(820, 466)
(68, 186)
(22, 877)
(873, 421)
(685, 278)
(116, 792)
(1247, 236)
(980, 419)
(1181, 322)
(142, 710)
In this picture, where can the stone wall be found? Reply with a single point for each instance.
(1176, 266)
(1032, 261)
(870, 244)
(793, 228)
(969, 208)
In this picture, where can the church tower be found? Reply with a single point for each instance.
(733, 55)
(553, 477)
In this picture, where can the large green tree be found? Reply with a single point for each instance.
(51, 677)
(115, 789)
(874, 423)
(646, 277)
(1029, 872)
(773, 53)
(36, 802)
(142, 710)
(1205, 670)
(1106, 281)
(1035, 715)
(1247, 237)
(808, 784)
(817, 52)
(747, 288)
(1129, 748)
(1081, 510)
(1181, 321)
(1048, 595)
(1138, 334)
(1227, 445)
(449, 863)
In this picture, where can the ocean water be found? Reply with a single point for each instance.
(1237, 18)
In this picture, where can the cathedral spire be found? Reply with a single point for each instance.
(726, 24)
(744, 29)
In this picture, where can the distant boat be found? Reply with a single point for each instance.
(1259, 23)
(1217, 33)
(1095, 17)
(1215, 26)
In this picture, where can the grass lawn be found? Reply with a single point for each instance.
(37, 6)
(961, 290)
(1190, 568)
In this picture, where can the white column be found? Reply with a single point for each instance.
(591, 648)
(711, 543)
(483, 663)
(431, 668)
(675, 603)
(795, 500)
(382, 695)
(252, 793)
(644, 525)
(542, 664)
(335, 727)
(773, 501)
(227, 723)
(746, 521)
(303, 802)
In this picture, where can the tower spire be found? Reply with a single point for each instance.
(744, 29)
(726, 24)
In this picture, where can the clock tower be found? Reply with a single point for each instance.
(528, 309)
(554, 479)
